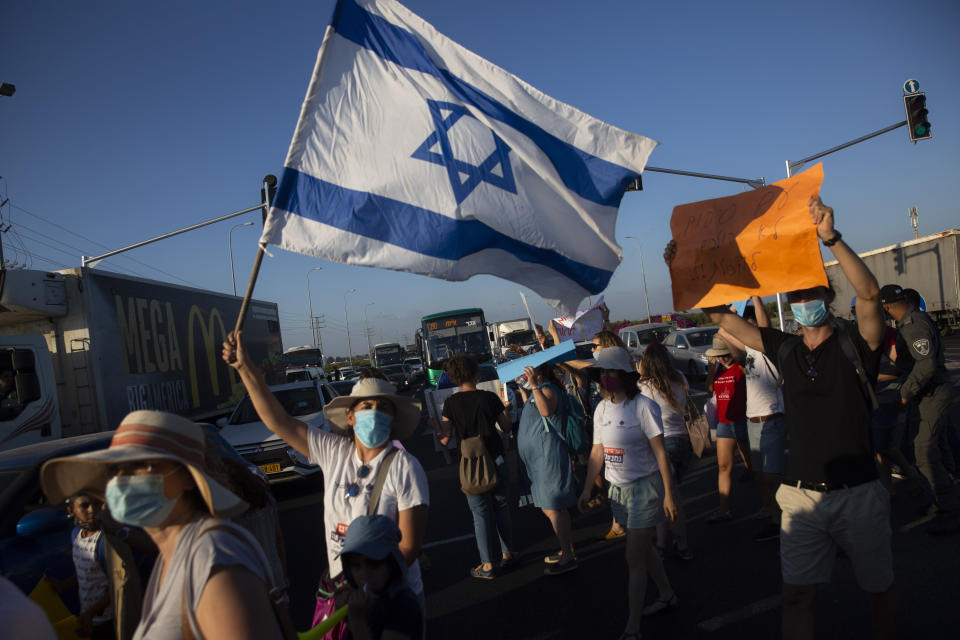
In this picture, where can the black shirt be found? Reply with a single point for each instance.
(473, 413)
(828, 412)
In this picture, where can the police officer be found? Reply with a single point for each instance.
(929, 383)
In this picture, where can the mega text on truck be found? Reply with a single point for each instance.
(87, 346)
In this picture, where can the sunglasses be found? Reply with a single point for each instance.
(83, 505)
(353, 489)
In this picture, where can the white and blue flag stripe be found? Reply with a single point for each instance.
(415, 154)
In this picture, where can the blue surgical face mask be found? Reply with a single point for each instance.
(139, 501)
(372, 427)
(810, 314)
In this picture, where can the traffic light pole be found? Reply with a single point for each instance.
(796, 164)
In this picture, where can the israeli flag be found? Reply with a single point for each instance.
(415, 154)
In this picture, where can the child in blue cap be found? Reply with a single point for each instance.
(381, 604)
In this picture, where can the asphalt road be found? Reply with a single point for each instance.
(729, 590)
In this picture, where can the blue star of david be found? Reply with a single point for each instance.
(457, 168)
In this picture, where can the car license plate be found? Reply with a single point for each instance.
(271, 468)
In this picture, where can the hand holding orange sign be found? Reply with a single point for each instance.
(757, 243)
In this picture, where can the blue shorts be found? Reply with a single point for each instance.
(638, 504)
(734, 430)
(773, 445)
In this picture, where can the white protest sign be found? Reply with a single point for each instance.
(581, 326)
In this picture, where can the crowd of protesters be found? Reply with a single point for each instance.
(800, 409)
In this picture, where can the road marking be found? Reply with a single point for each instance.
(749, 611)
(437, 543)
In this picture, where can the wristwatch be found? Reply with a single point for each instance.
(834, 240)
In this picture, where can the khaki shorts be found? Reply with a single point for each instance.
(814, 524)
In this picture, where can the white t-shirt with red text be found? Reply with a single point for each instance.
(625, 431)
(405, 487)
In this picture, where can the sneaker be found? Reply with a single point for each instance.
(767, 533)
(560, 567)
(719, 516)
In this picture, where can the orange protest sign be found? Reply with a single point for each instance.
(757, 243)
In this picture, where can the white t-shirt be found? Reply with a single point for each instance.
(91, 579)
(404, 488)
(674, 422)
(763, 395)
(625, 431)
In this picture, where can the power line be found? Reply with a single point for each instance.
(94, 242)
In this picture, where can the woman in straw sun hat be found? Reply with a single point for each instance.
(628, 443)
(211, 575)
(371, 416)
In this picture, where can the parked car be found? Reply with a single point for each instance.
(35, 534)
(688, 348)
(637, 337)
(415, 364)
(343, 387)
(398, 374)
(299, 374)
(259, 446)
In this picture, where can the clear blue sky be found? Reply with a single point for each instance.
(133, 119)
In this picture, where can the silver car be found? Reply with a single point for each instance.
(688, 348)
(637, 337)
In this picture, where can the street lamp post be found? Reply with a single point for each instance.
(230, 248)
(346, 319)
(643, 272)
(366, 330)
(313, 330)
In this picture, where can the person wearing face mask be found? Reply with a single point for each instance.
(628, 441)
(370, 417)
(211, 577)
(831, 496)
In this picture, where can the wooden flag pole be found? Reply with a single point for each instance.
(267, 193)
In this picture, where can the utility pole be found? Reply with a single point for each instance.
(914, 220)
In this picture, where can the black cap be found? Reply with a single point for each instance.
(891, 293)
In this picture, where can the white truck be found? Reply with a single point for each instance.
(87, 346)
(503, 334)
(930, 264)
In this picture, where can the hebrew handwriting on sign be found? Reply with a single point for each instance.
(756, 243)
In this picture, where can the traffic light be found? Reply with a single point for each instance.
(898, 265)
(915, 105)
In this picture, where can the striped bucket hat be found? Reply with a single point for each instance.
(143, 435)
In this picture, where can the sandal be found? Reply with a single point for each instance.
(613, 534)
(684, 553)
(661, 605)
(509, 562)
(485, 574)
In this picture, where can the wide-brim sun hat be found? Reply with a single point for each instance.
(375, 537)
(615, 359)
(142, 435)
(405, 420)
(719, 348)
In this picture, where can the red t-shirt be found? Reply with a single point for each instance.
(730, 387)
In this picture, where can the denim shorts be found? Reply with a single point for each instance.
(679, 452)
(773, 445)
(734, 430)
(638, 504)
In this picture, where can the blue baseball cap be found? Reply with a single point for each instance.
(375, 537)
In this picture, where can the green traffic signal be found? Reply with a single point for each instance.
(917, 123)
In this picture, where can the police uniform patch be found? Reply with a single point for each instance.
(922, 346)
